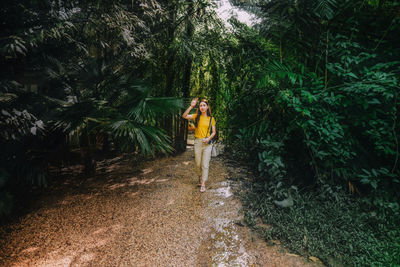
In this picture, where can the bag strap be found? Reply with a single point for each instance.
(209, 126)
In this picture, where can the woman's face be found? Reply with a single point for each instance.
(203, 107)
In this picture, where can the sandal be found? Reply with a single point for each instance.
(199, 183)
(203, 188)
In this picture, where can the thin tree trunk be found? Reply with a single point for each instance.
(86, 153)
(189, 60)
(326, 58)
(169, 68)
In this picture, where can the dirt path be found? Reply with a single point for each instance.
(151, 216)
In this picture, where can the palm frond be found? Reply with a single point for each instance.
(280, 70)
(148, 138)
(152, 107)
(325, 9)
(141, 106)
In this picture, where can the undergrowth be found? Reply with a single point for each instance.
(339, 229)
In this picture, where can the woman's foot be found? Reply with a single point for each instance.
(203, 188)
(199, 184)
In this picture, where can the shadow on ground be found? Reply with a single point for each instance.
(150, 215)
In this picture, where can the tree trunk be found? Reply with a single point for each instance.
(189, 35)
(169, 68)
(86, 153)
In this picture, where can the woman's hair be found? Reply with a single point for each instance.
(196, 121)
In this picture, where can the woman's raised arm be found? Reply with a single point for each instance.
(192, 105)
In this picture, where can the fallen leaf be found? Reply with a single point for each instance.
(315, 259)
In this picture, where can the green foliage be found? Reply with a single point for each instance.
(328, 224)
(318, 110)
(75, 71)
(309, 97)
(270, 162)
(340, 120)
(137, 127)
(325, 9)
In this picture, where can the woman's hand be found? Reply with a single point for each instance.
(186, 115)
(194, 102)
(206, 140)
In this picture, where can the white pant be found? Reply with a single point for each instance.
(202, 156)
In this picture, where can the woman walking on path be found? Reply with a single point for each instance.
(203, 122)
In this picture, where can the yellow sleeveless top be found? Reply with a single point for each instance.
(203, 125)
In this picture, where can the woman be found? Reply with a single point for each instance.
(202, 148)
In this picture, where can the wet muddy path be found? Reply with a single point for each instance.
(147, 215)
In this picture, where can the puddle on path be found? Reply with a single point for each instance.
(226, 243)
(223, 191)
(223, 245)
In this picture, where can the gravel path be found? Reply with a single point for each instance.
(150, 215)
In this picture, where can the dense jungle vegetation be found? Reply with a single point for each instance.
(308, 97)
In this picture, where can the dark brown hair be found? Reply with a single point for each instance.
(196, 121)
